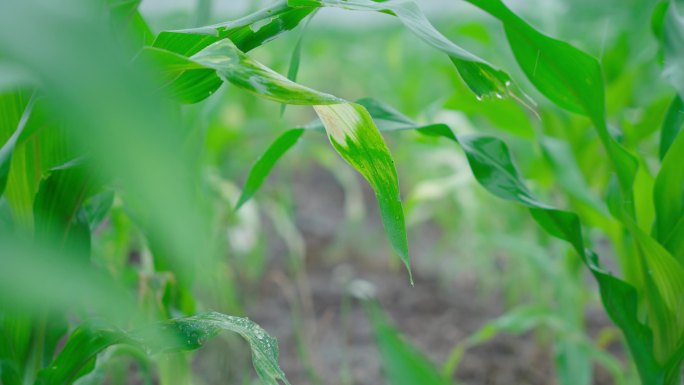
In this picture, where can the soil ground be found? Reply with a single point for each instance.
(430, 317)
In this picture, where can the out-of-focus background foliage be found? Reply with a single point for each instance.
(314, 228)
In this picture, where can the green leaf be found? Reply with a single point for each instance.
(247, 32)
(265, 163)
(350, 129)
(239, 69)
(353, 134)
(505, 114)
(126, 20)
(9, 105)
(15, 331)
(390, 119)
(97, 207)
(386, 118)
(58, 206)
(481, 77)
(664, 288)
(567, 76)
(181, 78)
(295, 59)
(34, 144)
(403, 364)
(77, 358)
(668, 197)
(567, 172)
(672, 125)
(493, 168)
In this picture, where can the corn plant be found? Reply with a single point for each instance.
(92, 107)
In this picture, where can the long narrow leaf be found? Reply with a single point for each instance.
(265, 163)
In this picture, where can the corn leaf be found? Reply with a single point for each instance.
(127, 20)
(239, 69)
(181, 78)
(559, 155)
(30, 150)
(247, 32)
(568, 77)
(481, 77)
(10, 105)
(295, 59)
(181, 334)
(672, 125)
(665, 283)
(403, 364)
(349, 127)
(58, 211)
(263, 165)
(353, 134)
(15, 331)
(669, 198)
(390, 119)
(386, 118)
(493, 168)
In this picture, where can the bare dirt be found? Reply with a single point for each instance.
(432, 318)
